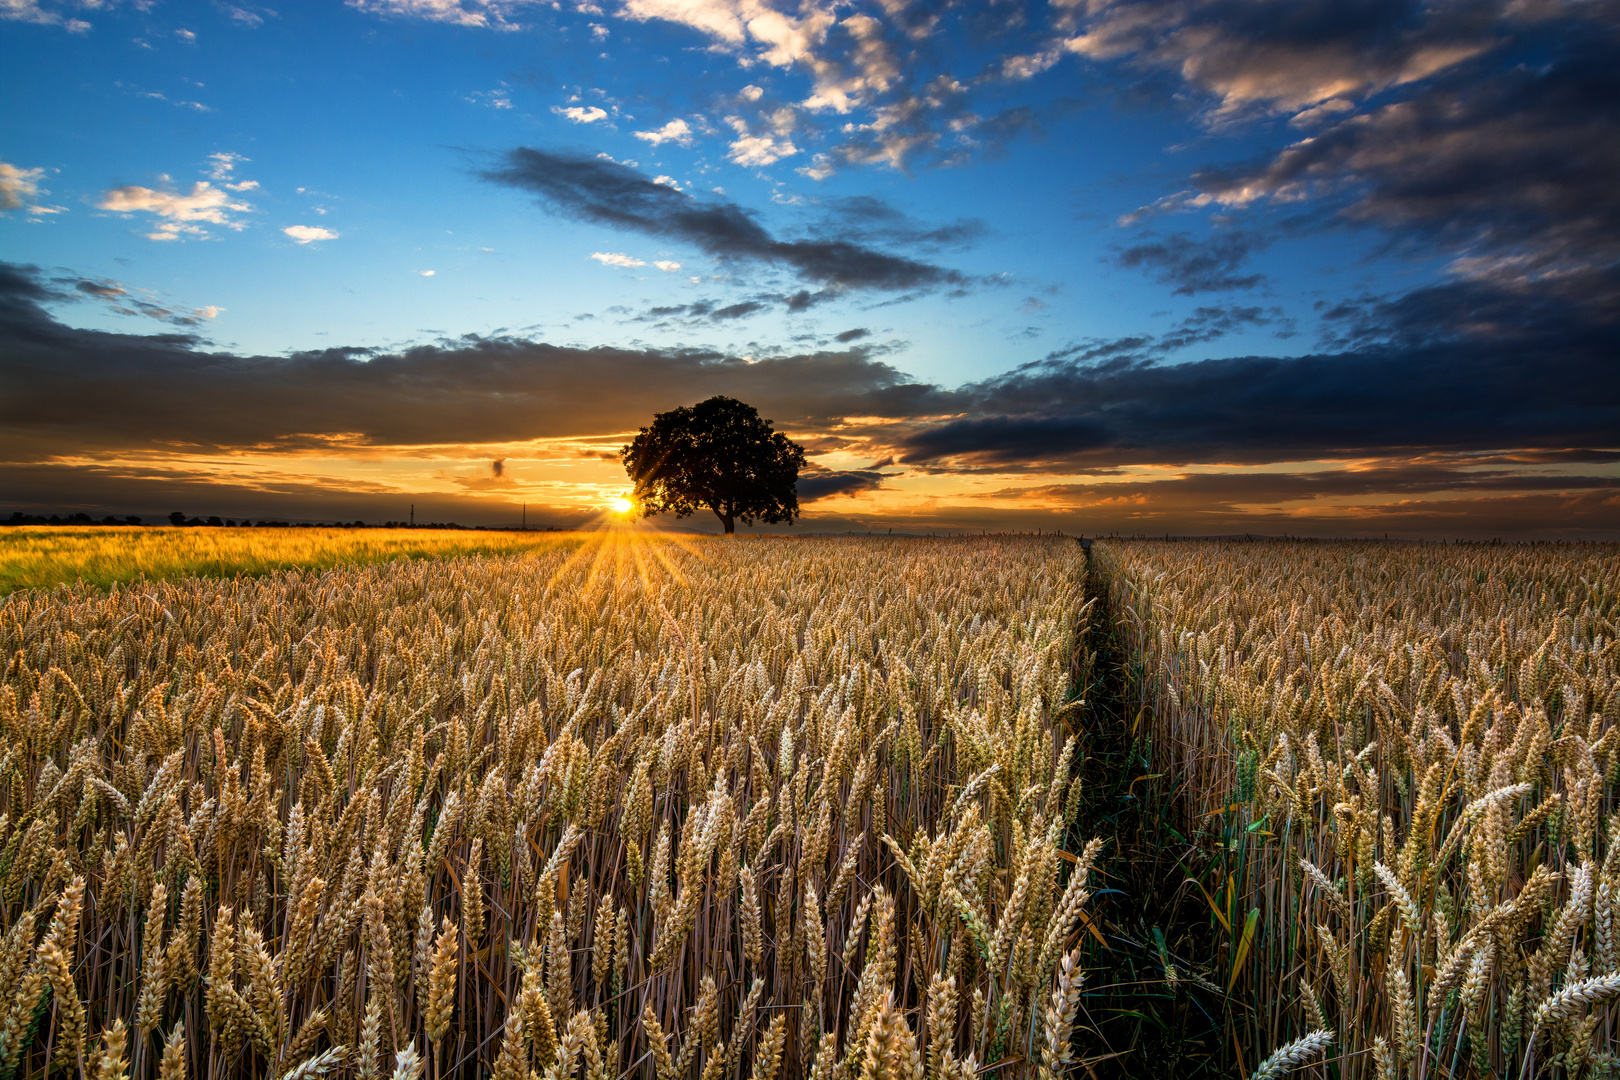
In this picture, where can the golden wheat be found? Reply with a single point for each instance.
(1402, 762)
(642, 807)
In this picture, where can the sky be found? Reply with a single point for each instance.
(1198, 267)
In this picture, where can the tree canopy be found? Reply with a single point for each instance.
(717, 454)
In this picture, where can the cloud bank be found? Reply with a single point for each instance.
(605, 192)
(1428, 403)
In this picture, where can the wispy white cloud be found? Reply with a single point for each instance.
(158, 95)
(243, 16)
(30, 11)
(306, 234)
(427, 273)
(759, 150)
(490, 14)
(677, 131)
(581, 114)
(224, 165)
(614, 258)
(18, 186)
(181, 214)
(667, 266)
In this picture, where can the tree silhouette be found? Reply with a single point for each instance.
(717, 454)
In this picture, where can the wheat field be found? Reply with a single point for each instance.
(44, 556)
(625, 808)
(1399, 762)
(631, 806)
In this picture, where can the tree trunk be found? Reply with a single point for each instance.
(727, 520)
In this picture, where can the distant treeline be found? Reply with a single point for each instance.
(20, 518)
(181, 520)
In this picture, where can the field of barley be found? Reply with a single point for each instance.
(627, 808)
(1394, 768)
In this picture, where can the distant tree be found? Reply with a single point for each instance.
(717, 454)
(177, 518)
(132, 520)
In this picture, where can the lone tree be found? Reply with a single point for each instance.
(718, 454)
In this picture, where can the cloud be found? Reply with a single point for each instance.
(582, 114)
(753, 151)
(243, 17)
(667, 266)
(676, 131)
(30, 11)
(66, 391)
(827, 483)
(1458, 367)
(1481, 131)
(1195, 266)
(608, 193)
(614, 258)
(708, 311)
(852, 335)
(224, 165)
(304, 234)
(426, 273)
(737, 310)
(18, 186)
(1514, 162)
(124, 302)
(181, 213)
(1443, 425)
(494, 14)
(1206, 324)
(1280, 57)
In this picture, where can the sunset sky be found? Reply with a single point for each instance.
(1272, 266)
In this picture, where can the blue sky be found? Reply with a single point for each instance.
(1027, 214)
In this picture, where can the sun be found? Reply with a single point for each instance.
(622, 504)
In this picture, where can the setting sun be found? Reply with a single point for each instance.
(622, 504)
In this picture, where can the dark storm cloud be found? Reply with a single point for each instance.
(1519, 164)
(1286, 55)
(1205, 324)
(1195, 266)
(1468, 366)
(825, 483)
(699, 312)
(874, 218)
(1489, 131)
(1512, 381)
(607, 193)
(70, 391)
(124, 302)
(738, 310)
